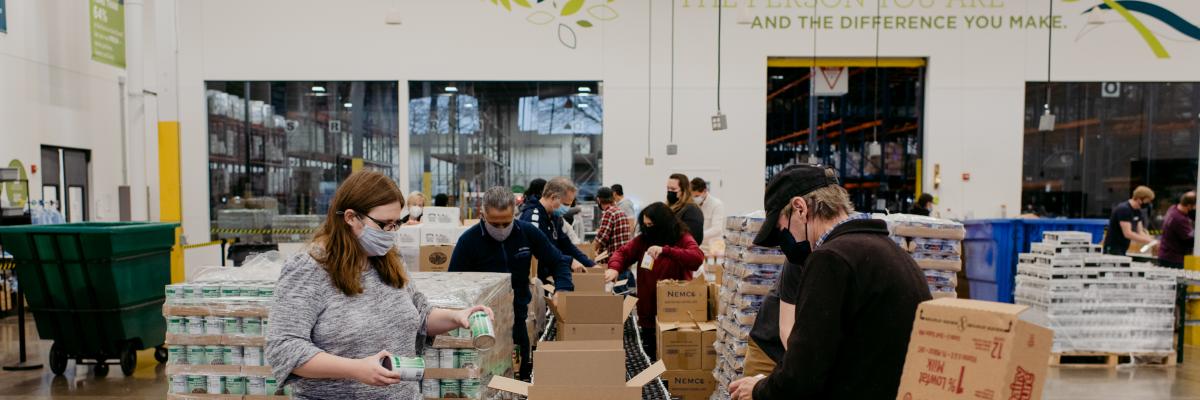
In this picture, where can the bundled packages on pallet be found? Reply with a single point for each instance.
(749, 273)
(1094, 302)
(935, 244)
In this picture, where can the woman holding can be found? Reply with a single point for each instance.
(346, 303)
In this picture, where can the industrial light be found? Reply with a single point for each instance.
(451, 89)
(581, 105)
(319, 89)
(777, 77)
(348, 105)
(469, 105)
(584, 89)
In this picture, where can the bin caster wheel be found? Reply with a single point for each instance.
(129, 360)
(160, 354)
(58, 359)
(101, 369)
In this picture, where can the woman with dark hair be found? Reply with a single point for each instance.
(923, 206)
(346, 302)
(673, 254)
(532, 194)
(679, 197)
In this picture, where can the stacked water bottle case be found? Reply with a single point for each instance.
(935, 244)
(1096, 302)
(750, 272)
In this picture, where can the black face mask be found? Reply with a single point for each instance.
(672, 197)
(796, 253)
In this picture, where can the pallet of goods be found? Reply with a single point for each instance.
(935, 244)
(1104, 309)
(749, 273)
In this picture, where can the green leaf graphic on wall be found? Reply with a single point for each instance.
(546, 12)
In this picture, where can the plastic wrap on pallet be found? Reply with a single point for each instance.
(924, 227)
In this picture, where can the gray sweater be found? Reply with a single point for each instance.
(311, 315)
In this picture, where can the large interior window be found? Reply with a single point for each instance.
(465, 137)
(1108, 139)
(278, 150)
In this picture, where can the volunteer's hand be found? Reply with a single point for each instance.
(610, 275)
(743, 389)
(654, 251)
(463, 317)
(367, 370)
(576, 266)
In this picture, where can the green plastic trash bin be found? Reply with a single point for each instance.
(95, 288)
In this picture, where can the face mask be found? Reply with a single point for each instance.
(561, 210)
(796, 253)
(415, 212)
(672, 197)
(376, 242)
(698, 199)
(500, 234)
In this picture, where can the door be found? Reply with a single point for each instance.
(65, 181)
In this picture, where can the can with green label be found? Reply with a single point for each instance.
(176, 324)
(255, 385)
(235, 385)
(469, 388)
(248, 291)
(197, 384)
(264, 326)
(252, 356)
(230, 290)
(189, 291)
(450, 388)
(483, 335)
(233, 325)
(196, 356)
(210, 291)
(447, 358)
(214, 354)
(432, 357)
(214, 325)
(467, 358)
(266, 291)
(195, 325)
(252, 326)
(174, 292)
(410, 368)
(179, 384)
(431, 388)
(177, 354)
(231, 355)
(270, 386)
(216, 384)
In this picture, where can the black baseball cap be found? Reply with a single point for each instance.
(795, 180)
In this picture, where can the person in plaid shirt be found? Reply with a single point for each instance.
(614, 230)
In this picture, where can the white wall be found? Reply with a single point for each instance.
(974, 94)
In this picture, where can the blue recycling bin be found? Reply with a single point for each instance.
(991, 247)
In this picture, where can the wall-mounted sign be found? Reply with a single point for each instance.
(108, 31)
(831, 81)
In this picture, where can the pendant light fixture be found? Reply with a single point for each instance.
(874, 149)
(1046, 123)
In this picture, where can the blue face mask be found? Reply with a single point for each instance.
(561, 210)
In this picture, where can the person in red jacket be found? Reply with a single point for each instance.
(673, 253)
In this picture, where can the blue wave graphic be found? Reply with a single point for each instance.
(1159, 13)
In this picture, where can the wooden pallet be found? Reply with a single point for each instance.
(1111, 360)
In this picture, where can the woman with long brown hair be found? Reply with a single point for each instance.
(679, 199)
(347, 302)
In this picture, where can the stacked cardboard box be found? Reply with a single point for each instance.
(685, 334)
(580, 370)
(454, 367)
(592, 311)
(749, 273)
(1095, 302)
(935, 244)
(216, 332)
(427, 247)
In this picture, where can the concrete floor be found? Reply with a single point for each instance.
(149, 381)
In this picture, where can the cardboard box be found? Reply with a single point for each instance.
(592, 308)
(683, 301)
(591, 281)
(969, 349)
(544, 389)
(709, 357)
(588, 249)
(690, 385)
(409, 236)
(436, 258)
(441, 216)
(682, 345)
(440, 235)
(609, 331)
(600, 362)
(411, 257)
(714, 303)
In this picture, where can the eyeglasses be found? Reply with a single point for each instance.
(386, 226)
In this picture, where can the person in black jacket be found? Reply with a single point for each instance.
(679, 198)
(923, 206)
(501, 244)
(532, 194)
(547, 213)
(857, 296)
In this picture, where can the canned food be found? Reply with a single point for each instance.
(447, 358)
(252, 326)
(232, 325)
(196, 356)
(210, 291)
(214, 354)
(469, 388)
(195, 325)
(252, 356)
(409, 368)
(197, 384)
(450, 388)
(231, 355)
(190, 291)
(467, 358)
(255, 385)
(431, 388)
(177, 354)
(176, 324)
(264, 326)
(179, 384)
(270, 385)
(174, 292)
(482, 334)
(214, 325)
(216, 384)
(248, 291)
(235, 385)
(433, 357)
(266, 291)
(228, 291)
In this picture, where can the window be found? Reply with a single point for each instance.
(1108, 139)
(278, 150)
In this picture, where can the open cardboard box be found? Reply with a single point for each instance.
(591, 280)
(580, 370)
(683, 301)
(683, 345)
(690, 385)
(969, 349)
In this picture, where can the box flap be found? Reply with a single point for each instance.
(647, 375)
(628, 307)
(978, 305)
(509, 385)
(581, 345)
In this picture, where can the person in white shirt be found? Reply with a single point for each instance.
(714, 216)
(625, 204)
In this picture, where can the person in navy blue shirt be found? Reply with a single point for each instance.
(547, 215)
(499, 243)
